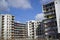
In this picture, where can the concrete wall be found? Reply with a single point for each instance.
(57, 8)
(0, 25)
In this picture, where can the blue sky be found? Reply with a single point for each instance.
(26, 14)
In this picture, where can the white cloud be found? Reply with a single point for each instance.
(5, 4)
(39, 17)
(19, 3)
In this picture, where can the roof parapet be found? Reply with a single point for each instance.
(47, 2)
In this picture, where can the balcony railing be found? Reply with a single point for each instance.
(51, 29)
(50, 20)
(50, 33)
(49, 13)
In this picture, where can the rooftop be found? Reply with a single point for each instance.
(47, 2)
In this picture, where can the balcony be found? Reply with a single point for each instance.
(48, 5)
(52, 25)
(49, 10)
(46, 21)
(12, 16)
(50, 33)
(51, 29)
(49, 20)
(47, 29)
(13, 19)
(2, 17)
(46, 26)
(49, 16)
(50, 13)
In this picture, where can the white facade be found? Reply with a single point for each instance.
(32, 25)
(57, 8)
(7, 21)
(0, 26)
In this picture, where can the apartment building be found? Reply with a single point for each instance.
(6, 27)
(20, 31)
(51, 12)
(31, 29)
(40, 30)
(35, 29)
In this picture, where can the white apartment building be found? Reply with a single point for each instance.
(31, 26)
(6, 27)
